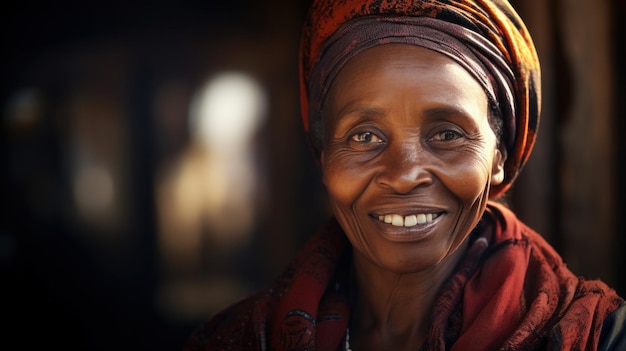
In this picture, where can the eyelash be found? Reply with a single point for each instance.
(367, 134)
(446, 133)
(372, 138)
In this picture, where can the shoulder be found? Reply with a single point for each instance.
(613, 334)
(509, 229)
(545, 270)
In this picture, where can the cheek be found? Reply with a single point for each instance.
(467, 176)
(344, 179)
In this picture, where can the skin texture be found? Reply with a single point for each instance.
(406, 132)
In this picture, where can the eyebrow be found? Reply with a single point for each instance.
(431, 113)
(362, 111)
(459, 115)
(357, 112)
(443, 111)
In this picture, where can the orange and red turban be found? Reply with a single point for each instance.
(486, 37)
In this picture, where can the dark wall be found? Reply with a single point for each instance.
(92, 284)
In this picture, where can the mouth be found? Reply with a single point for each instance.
(412, 220)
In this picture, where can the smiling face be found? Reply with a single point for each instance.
(408, 156)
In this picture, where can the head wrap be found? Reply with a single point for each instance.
(486, 37)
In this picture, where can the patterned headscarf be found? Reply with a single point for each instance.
(486, 37)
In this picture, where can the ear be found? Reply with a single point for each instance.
(497, 168)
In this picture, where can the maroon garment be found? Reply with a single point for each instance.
(511, 291)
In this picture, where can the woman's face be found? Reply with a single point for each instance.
(408, 155)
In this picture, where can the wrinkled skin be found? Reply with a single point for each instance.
(406, 133)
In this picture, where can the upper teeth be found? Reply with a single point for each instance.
(408, 221)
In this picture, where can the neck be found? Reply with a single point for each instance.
(392, 309)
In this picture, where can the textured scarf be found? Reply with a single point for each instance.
(486, 37)
(511, 291)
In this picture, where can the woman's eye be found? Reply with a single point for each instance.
(366, 137)
(447, 135)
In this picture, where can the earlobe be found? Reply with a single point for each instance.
(497, 170)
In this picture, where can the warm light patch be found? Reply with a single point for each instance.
(227, 110)
(93, 190)
(208, 198)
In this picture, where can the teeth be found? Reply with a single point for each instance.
(421, 218)
(408, 221)
(397, 220)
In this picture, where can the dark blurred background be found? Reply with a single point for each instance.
(130, 211)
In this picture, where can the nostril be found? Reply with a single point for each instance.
(404, 166)
(406, 179)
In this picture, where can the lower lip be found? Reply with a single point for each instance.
(406, 234)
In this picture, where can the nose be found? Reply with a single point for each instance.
(404, 168)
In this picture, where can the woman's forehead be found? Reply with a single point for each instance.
(392, 70)
(400, 57)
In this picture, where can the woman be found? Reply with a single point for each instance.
(420, 112)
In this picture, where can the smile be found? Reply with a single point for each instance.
(408, 221)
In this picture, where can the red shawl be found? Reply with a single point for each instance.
(511, 291)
